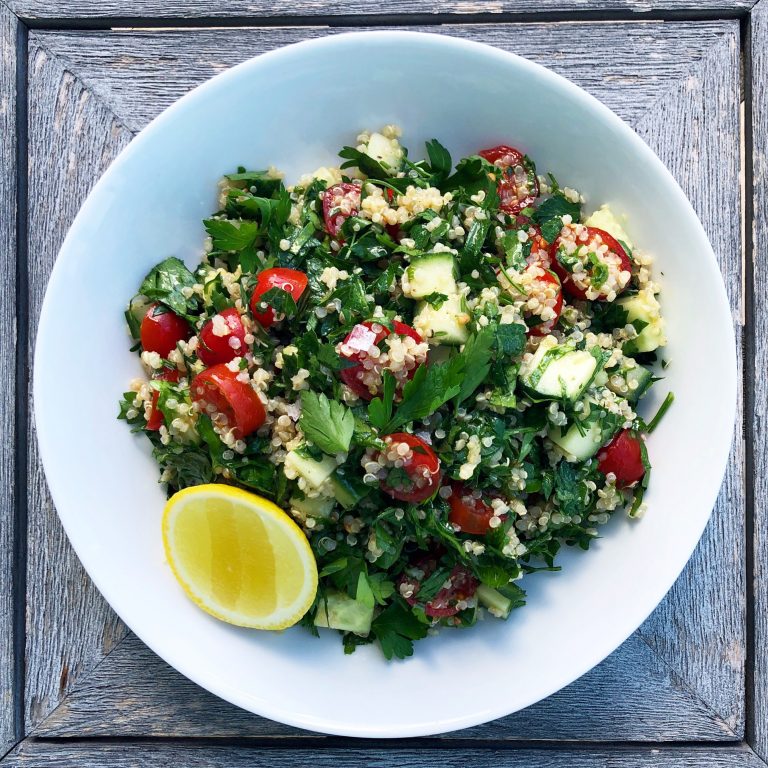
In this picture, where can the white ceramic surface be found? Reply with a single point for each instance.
(293, 108)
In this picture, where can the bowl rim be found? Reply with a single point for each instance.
(288, 54)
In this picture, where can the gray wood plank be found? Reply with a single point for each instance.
(154, 755)
(700, 626)
(758, 44)
(138, 74)
(681, 693)
(255, 9)
(8, 29)
(631, 695)
(69, 626)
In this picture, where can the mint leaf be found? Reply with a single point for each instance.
(326, 423)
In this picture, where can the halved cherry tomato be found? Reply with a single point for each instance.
(539, 247)
(339, 203)
(542, 329)
(623, 456)
(161, 329)
(594, 237)
(518, 186)
(359, 340)
(213, 348)
(155, 420)
(469, 512)
(235, 400)
(291, 280)
(445, 603)
(393, 230)
(418, 473)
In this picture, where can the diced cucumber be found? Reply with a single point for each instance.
(493, 599)
(605, 219)
(137, 308)
(318, 506)
(384, 150)
(313, 471)
(348, 491)
(559, 371)
(578, 446)
(446, 325)
(433, 273)
(644, 306)
(635, 380)
(339, 611)
(582, 441)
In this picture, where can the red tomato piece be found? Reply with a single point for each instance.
(623, 456)
(161, 329)
(518, 186)
(445, 603)
(155, 420)
(591, 239)
(546, 281)
(292, 281)
(469, 511)
(356, 346)
(235, 402)
(214, 348)
(339, 203)
(413, 468)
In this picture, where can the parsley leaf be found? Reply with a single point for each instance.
(231, 235)
(281, 301)
(165, 283)
(510, 339)
(373, 169)
(328, 424)
(436, 300)
(396, 628)
(473, 364)
(439, 159)
(431, 387)
(607, 316)
(549, 215)
(380, 408)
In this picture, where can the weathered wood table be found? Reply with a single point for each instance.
(78, 79)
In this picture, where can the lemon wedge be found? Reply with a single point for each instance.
(239, 557)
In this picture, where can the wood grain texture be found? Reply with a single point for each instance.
(685, 674)
(758, 46)
(72, 138)
(8, 366)
(632, 695)
(138, 755)
(138, 74)
(256, 9)
(700, 626)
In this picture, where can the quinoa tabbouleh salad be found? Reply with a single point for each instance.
(434, 370)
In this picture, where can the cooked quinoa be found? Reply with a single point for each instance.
(435, 370)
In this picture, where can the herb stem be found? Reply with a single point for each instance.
(663, 408)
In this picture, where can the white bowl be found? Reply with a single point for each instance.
(294, 108)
